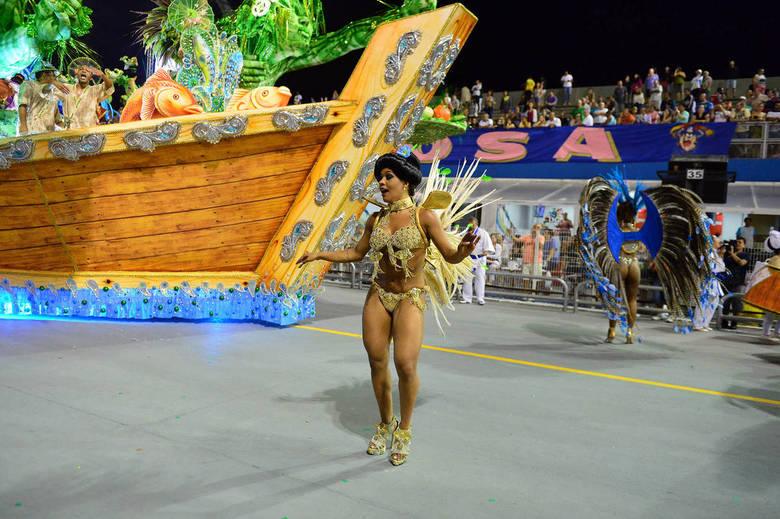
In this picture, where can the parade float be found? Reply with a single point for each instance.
(202, 216)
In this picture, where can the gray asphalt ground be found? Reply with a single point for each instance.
(107, 419)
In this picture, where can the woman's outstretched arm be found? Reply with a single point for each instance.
(432, 225)
(347, 255)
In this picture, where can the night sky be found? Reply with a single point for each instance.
(598, 42)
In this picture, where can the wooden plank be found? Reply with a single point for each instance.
(259, 123)
(23, 217)
(176, 201)
(176, 222)
(27, 238)
(235, 257)
(24, 192)
(211, 173)
(89, 254)
(50, 257)
(184, 153)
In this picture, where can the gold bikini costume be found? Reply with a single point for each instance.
(399, 245)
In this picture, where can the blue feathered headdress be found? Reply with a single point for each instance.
(617, 180)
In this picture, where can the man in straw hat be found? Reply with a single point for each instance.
(80, 105)
(38, 112)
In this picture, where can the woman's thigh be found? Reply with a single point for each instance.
(407, 330)
(376, 328)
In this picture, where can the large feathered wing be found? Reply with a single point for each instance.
(441, 277)
(681, 254)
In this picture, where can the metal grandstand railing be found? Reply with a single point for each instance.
(756, 140)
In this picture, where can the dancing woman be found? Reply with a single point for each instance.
(395, 240)
(675, 236)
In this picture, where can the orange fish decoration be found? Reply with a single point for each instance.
(261, 97)
(160, 96)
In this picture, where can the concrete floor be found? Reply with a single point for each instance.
(106, 419)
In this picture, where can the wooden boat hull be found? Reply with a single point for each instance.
(202, 216)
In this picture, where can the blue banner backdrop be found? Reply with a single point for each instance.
(506, 149)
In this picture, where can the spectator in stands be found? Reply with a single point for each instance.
(736, 260)
(668, 115)
(652, 116)
(587, 120)
(494, 258)
(565, 226)
(772, 104)
(678, 83)
(465, 99)
(689, 101)
(490, 102)
(757, 97)
(576, 120)
(696, 82)
(667, 102)
(681, 115)
(651, 80)
(529, 90)
(485, 122)
(476, 95)
(553, 121)
(531, 114)
(611, 121)
(506, 102)
(523, 122)
(626, 117)
(656, 95)
(703, 101)
(759, 81)
(720, 114)
(732, 74)
(541, 121)
(666, 79)
(539, 93)
(701, 115)
(551, 100)
(706, 82)
(740, 111)
(551, 251)
(510, 124)
(757, 114)
(620, 96)
(567, 81)
(600, 114)
(747, 232)
(532, 246)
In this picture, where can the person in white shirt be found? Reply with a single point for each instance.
(476, 94)
(494, 259)
(656, 95)
(485, 122)
(588, 119)
(483, 248)
(600, 114)
(567, 81)
(747, 232)
(696, 80)
(702, 314)
(553, 121)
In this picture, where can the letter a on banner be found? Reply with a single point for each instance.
(595, 143)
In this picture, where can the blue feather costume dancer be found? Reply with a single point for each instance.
(675, 235)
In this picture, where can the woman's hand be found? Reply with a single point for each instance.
(467, 244)
(307, 257)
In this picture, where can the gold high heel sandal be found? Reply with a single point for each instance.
(629, 336)
(402, 441)
(378, 442)
(610, 335)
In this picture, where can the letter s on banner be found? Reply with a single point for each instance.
(444, 146)
(501, 146)
(595, 143)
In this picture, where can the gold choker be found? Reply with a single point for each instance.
(400, 205)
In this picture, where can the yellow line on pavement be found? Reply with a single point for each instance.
(569, 370)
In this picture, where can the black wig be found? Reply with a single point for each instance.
(626, 212)
(405, 168)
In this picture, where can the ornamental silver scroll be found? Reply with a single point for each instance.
(330, 242)
(75, 148)
(397, 132)
(213, 133)
(362, 127)
(432, 71)
(394, 63)
(148, 140)
(358, 188)
(301, 230)
(293, 120)
(336, 172)
(16, 151)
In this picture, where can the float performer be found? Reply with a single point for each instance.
(396, 239)
(80, 104)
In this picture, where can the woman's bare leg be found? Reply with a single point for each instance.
(407, 341)
(631, 281)
(376, 339)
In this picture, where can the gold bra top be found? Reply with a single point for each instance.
(399, 244)
(630, 247)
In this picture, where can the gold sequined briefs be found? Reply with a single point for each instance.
(390, 300)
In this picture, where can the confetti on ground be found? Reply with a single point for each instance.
(344, 480)
(737, 498)
(120, 393)
(18, 504)
(184, 396)
(177, 417)
(366, 429)
(492, 500)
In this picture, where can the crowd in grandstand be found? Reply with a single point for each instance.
(669, 97)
